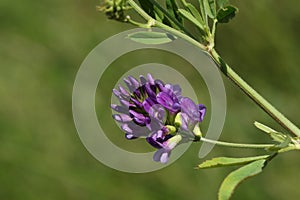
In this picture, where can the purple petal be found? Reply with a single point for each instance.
(153, 142)
(148, 104)
(130, 136)
(126, 128)
(134, 82)
(122, 118)
(176, 106)
(159, 84)
(168, 102)
(117, 93)
(135, 130)
(190, 108)
(120, 109)
(161, 155)
(136, 102)
(130, 86)
(151, 90)
(177, 90)
(139, 118)
(164, 158)
(158, 112)
(137, 94)
(154, 125)
(184, 121)
(158, 139)
(124, 92)
(143, 79)
(121, 94)
(167, 88)
(157, 155)
(125, 103)
(174, 89)
(165, 100)
(150, 79)
(140, 121)
(202, 111)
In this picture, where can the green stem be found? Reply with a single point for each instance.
(213, 32)
(255, 96)
(135, 23)
(158, 24)
(170, 17)
(235, 78)
(236, 145)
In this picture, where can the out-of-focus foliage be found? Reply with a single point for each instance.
(41, 157)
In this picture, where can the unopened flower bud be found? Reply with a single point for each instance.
(197, 132)
(177, 121)
(172, 129)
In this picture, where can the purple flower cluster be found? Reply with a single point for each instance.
(158, 112)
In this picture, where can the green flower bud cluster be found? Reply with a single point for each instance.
(114, 9)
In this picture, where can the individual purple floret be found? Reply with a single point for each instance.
(156, 111)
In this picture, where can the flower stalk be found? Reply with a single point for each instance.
(236, 145)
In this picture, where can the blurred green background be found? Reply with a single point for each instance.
(42, 44)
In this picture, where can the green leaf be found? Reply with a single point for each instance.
(194, 12)
(202, 11)
(159, 16)
(275, 135)
(279, 137)
(172, 8)
(154, 11)
(191, 18)
(236, 177)
(283, 140)
(210, 8)
(226, 161)
(222, 3)
(227, 13)
(147, 37)
(148, 7)
(263, 127)
(283, 145)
